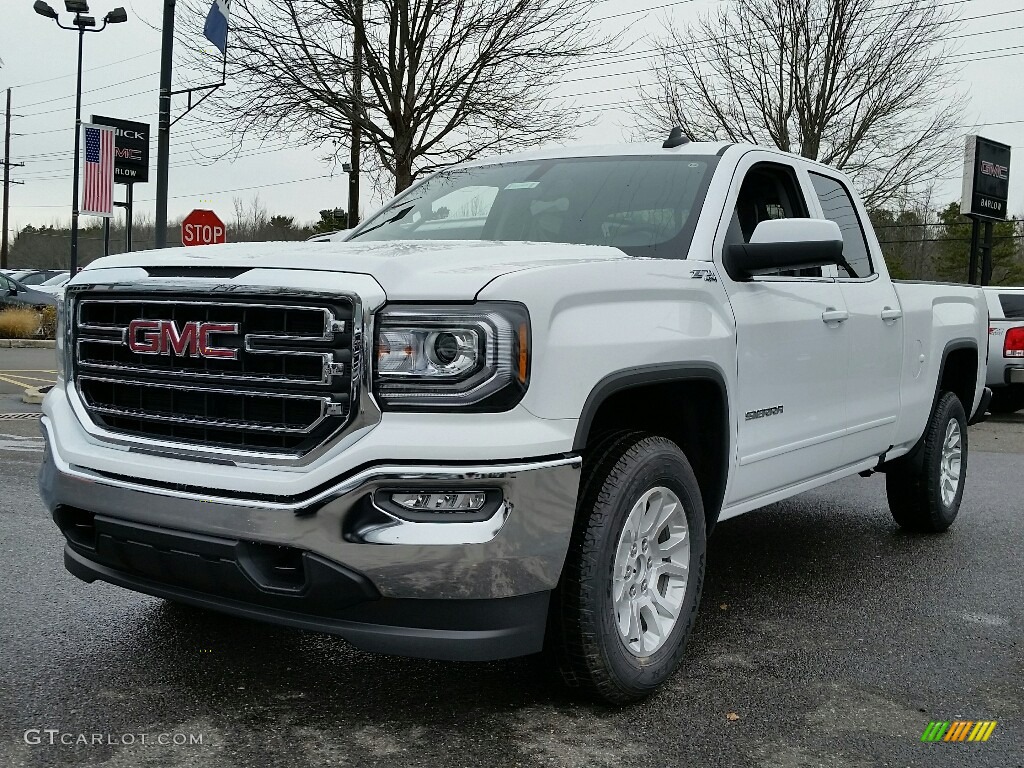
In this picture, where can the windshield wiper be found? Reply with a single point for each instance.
(397, 217)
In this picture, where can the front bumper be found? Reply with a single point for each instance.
(334, 560)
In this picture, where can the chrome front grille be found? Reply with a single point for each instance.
(272, 376)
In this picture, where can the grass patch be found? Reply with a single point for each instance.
(48, 322)
(19, 323)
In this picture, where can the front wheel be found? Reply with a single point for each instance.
(926, 486)
(634, 571)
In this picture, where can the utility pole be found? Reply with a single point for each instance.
(163, 142)
(357, 104)
(7, 181)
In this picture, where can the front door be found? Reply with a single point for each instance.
(791, 350)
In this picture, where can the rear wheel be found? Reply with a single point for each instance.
(633, 576)
(926, 486)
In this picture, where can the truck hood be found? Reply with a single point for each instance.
(429, 270)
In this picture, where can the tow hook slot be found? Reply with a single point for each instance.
(272, 567)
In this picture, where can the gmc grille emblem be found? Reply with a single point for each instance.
(161, 337)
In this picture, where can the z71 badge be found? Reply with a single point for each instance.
(707, 275)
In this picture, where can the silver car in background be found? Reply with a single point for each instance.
(1006, 348)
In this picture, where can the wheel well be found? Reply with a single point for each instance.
(960, 375)
(691, 413)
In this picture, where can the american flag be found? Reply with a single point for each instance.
(98, 178)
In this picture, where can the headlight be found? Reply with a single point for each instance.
(475, 356)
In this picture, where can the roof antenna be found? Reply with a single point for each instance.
(675, 139)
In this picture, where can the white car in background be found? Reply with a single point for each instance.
(54, 284)
(1006, 348)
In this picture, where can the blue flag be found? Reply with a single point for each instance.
(216, 27)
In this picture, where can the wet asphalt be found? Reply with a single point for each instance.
(830, 635)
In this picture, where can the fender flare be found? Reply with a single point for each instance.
(953, 346)
(664, 373)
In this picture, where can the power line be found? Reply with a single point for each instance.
(630, 55)
(216, 192)
(117, 63)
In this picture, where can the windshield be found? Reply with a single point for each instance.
(645, 206)
(58, 280)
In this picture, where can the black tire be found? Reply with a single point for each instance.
(913, 483)
(1007, 399)
(589, 649)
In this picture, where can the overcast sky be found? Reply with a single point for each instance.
(121, 80)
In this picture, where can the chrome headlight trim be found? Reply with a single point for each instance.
(498, 377)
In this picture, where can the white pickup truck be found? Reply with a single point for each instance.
(1006, 348)
(505, 413)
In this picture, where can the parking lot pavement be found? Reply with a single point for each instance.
(831, 637)
(21, 369)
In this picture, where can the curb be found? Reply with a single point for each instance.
(27, 344)
(35, 395)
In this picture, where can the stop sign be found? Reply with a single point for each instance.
(203, 227)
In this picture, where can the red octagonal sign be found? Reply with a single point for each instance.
(202, 227)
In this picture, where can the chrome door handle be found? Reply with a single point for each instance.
(891, 315)
(832, 315)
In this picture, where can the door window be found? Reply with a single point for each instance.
(768, 192)
(837, 206)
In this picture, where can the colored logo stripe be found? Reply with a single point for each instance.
(958, 730)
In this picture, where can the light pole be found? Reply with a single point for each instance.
(81, 24)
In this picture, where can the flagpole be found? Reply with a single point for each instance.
(78, 151)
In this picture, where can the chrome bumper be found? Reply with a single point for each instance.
(517, 551)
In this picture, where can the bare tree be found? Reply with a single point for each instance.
(442, 79)
(250, 221)
(862, 85)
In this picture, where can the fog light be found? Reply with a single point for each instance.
(471, 501)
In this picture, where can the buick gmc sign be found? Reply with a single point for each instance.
(986, 179)
(131, 149)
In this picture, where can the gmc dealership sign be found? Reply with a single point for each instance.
(986, 179)
(131, 149)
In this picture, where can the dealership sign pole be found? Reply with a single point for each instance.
(986, 191)
(131, 166)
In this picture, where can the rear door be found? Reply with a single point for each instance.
(791, 358)
(874, 329)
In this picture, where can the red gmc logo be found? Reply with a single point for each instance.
(1001, 172)
(161, 337)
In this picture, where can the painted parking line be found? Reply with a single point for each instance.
(34, 378)
(21, 443)
(25, 382)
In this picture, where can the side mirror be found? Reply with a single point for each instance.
(785, 244)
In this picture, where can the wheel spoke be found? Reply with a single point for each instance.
(675, 541)
(664, 608)
(670, 568)
(620, 587)
(656, 522)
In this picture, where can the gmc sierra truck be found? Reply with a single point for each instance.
(505, 412)
(1006, 348)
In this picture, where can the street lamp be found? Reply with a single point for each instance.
(81, 24)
